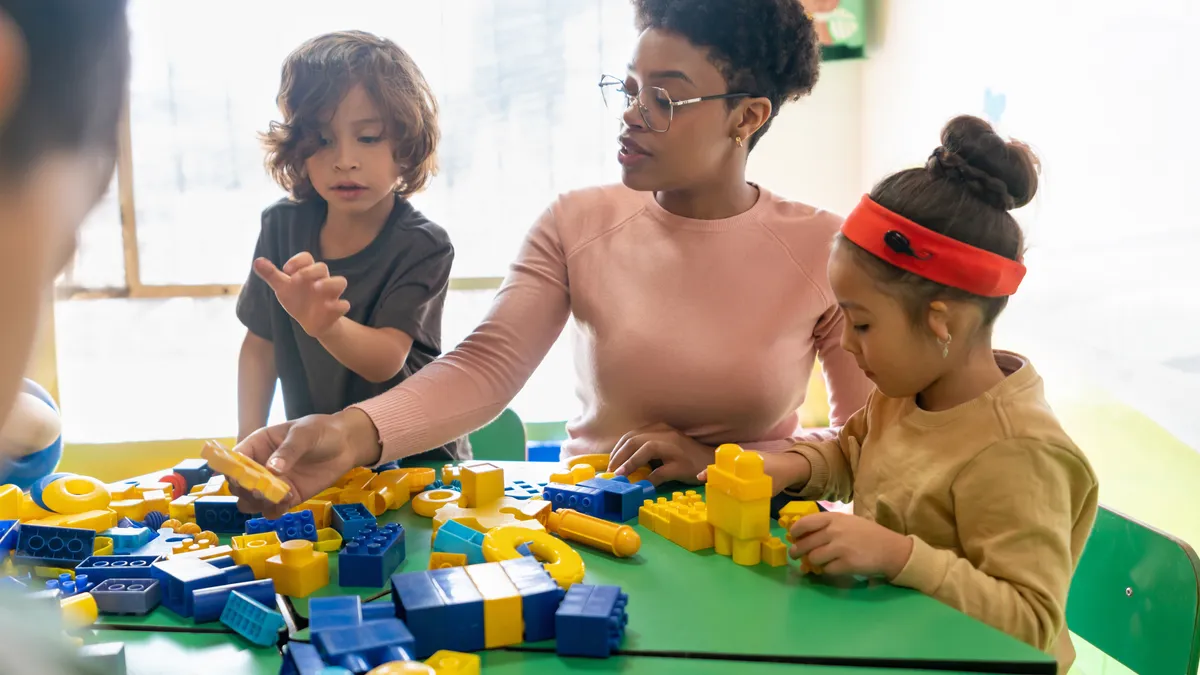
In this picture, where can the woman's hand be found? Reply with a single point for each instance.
(676, 456)
(841, 543)
(310, 453)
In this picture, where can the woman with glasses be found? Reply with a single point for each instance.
(701, 298)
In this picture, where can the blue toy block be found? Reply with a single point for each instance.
(339, 611)
(162, 543)
(9, 530)
(519, 489)
(106, 657)
(101, 567)
(443, 608)
(540, 596)
(372, 556)
(126, 540)
(221, 515)
(71, 585)
(591, 621)
(252, 620)
(298, 525)
(350, 519)
(578, 497)
(361, 648)
(40, 545)
(374, 611)
(622, 499)
(127, 596)
(224, 562)
(180, 578)
(301, 658)
(454, 537)
(208, 603)
(194, 471)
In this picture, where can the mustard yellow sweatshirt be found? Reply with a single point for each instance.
(996, 498)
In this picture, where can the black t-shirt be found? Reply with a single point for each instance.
(398, 281)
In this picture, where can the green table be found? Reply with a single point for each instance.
(702, 606)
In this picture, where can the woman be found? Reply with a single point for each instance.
(701, 298)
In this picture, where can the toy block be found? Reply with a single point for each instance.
(53, 546)
(482, 484)
(301, 658)
(103, 567)
(133, 509)
(299, 525)
(328, 540)
(455, 537)
(197, 542)
(519, 489)
(451, 473)
(774, 552)
(612, 538)
(181, 578)
(575, 497)
(350, 519)
(377, 610)
(194, 471)
(795, 510)
(356, 478)
(106, 657)
(221, 515)
(503, 512)
(183, 509)
(70, 493)
(70, 585)
(429, 502)
(683, 520)
(208, 603)
(126, 540)
(216, 486)
(502, 622)
(563, 562)
(575, 475)
(10, 502)
(372, 556)
(97, 521)
(79, 610)
(31, 511)
(418, 477)
(155, 500)
(8, 536)
(298, 570)
(207, 552)
(247, 473)
(374, 502)
(252, 620)
(739, 474)
(446, 662)
(155, 519)
(590, 621)
(439, 560)
(162, 544)
(104, 546)
(361, 648)
(321, 509)
(622, 499)
(540, 596)
(339, 611)
(396, 488)
(332, 495)
(179, 484)
(127, 596)
(443, 608)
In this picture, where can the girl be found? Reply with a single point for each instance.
(345, 300)
(964, 485)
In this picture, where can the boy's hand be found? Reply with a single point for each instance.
(306, 291)
(680, 457)
(841, 543)
(786, 469)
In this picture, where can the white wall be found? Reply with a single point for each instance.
(1105, 91)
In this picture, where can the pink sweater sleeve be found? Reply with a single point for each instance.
(848, 386)
(471, 385)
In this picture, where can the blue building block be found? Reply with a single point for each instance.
(350, 519)
(9, 530)
(298, 525)
(194, 471)
(252, 620)
(127, 596)
(224, 562)
(374, 611)
(519, 489)
(301, 658)
(208, 603)
(162, 543)
(454, 537)
(591, 621)
(106, 657)
(443, 609)
(578, 497)
(540, 596)
(338, 611)
(126, 540)
(101, 567)
(153, 521)
(40, 545)
(221, 515)
(622, 499)
(180, 578)
(372, 556)
(361, 648)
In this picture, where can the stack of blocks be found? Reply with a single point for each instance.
(683, 520)
(739, 508)
(614, 499)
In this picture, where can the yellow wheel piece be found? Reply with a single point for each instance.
(76, 494)
(562, 562)
(428, 502)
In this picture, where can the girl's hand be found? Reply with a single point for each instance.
(679, 457)
(840, 543)
(306, 291)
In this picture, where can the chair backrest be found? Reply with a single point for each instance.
(501, 440)
(1136, 596)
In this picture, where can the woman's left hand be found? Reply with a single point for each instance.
(678, 456)
(841, 543)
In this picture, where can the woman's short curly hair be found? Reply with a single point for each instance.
(765, 48)
(316, 77)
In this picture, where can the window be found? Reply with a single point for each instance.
(147, 335)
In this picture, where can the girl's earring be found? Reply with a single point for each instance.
(946, 345)
(738, 140)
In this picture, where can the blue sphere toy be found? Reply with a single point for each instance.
(25, 471)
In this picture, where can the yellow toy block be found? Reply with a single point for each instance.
(598, 461)
(216, 486)
(140, 489)
(573, 476)
(482, 484)
(75, 494)
(356, 478)
(430, 502)
(123, 491)
(739, 504)
(418, 477)
(503, 623)
(454, 663)
(31, 511)
(403, 668)
(504, 511)
(98, 521)
(562, 562)
(254, 549)
(102, 546)
(438, 560)
(133, 509)
(199, 542)
(322, 511)
(774, 552)
(10, 502)
(328, 540)
(155, 500)
(612, 538)
(298, 570)
(183, 508)
(394, 489)
(450, 473)
(79, 610)
(332, 495)
(246, 472)
(373, 501)
(793, 511)
(683, 520)
(738, 474)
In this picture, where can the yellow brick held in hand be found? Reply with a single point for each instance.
(246, 472)
(503, 623)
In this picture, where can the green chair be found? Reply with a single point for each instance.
(501, 440)
(1136, 596)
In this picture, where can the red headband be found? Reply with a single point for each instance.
(930, 255)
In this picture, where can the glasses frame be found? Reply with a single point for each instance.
(612, 81)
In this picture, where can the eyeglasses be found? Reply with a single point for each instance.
(654, 103)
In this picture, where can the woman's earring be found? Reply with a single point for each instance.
(738, 140)
(946, 345)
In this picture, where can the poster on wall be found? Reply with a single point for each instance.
(841, 27)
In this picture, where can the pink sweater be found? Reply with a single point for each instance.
(709, 326)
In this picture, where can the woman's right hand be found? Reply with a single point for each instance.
(310, 454)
